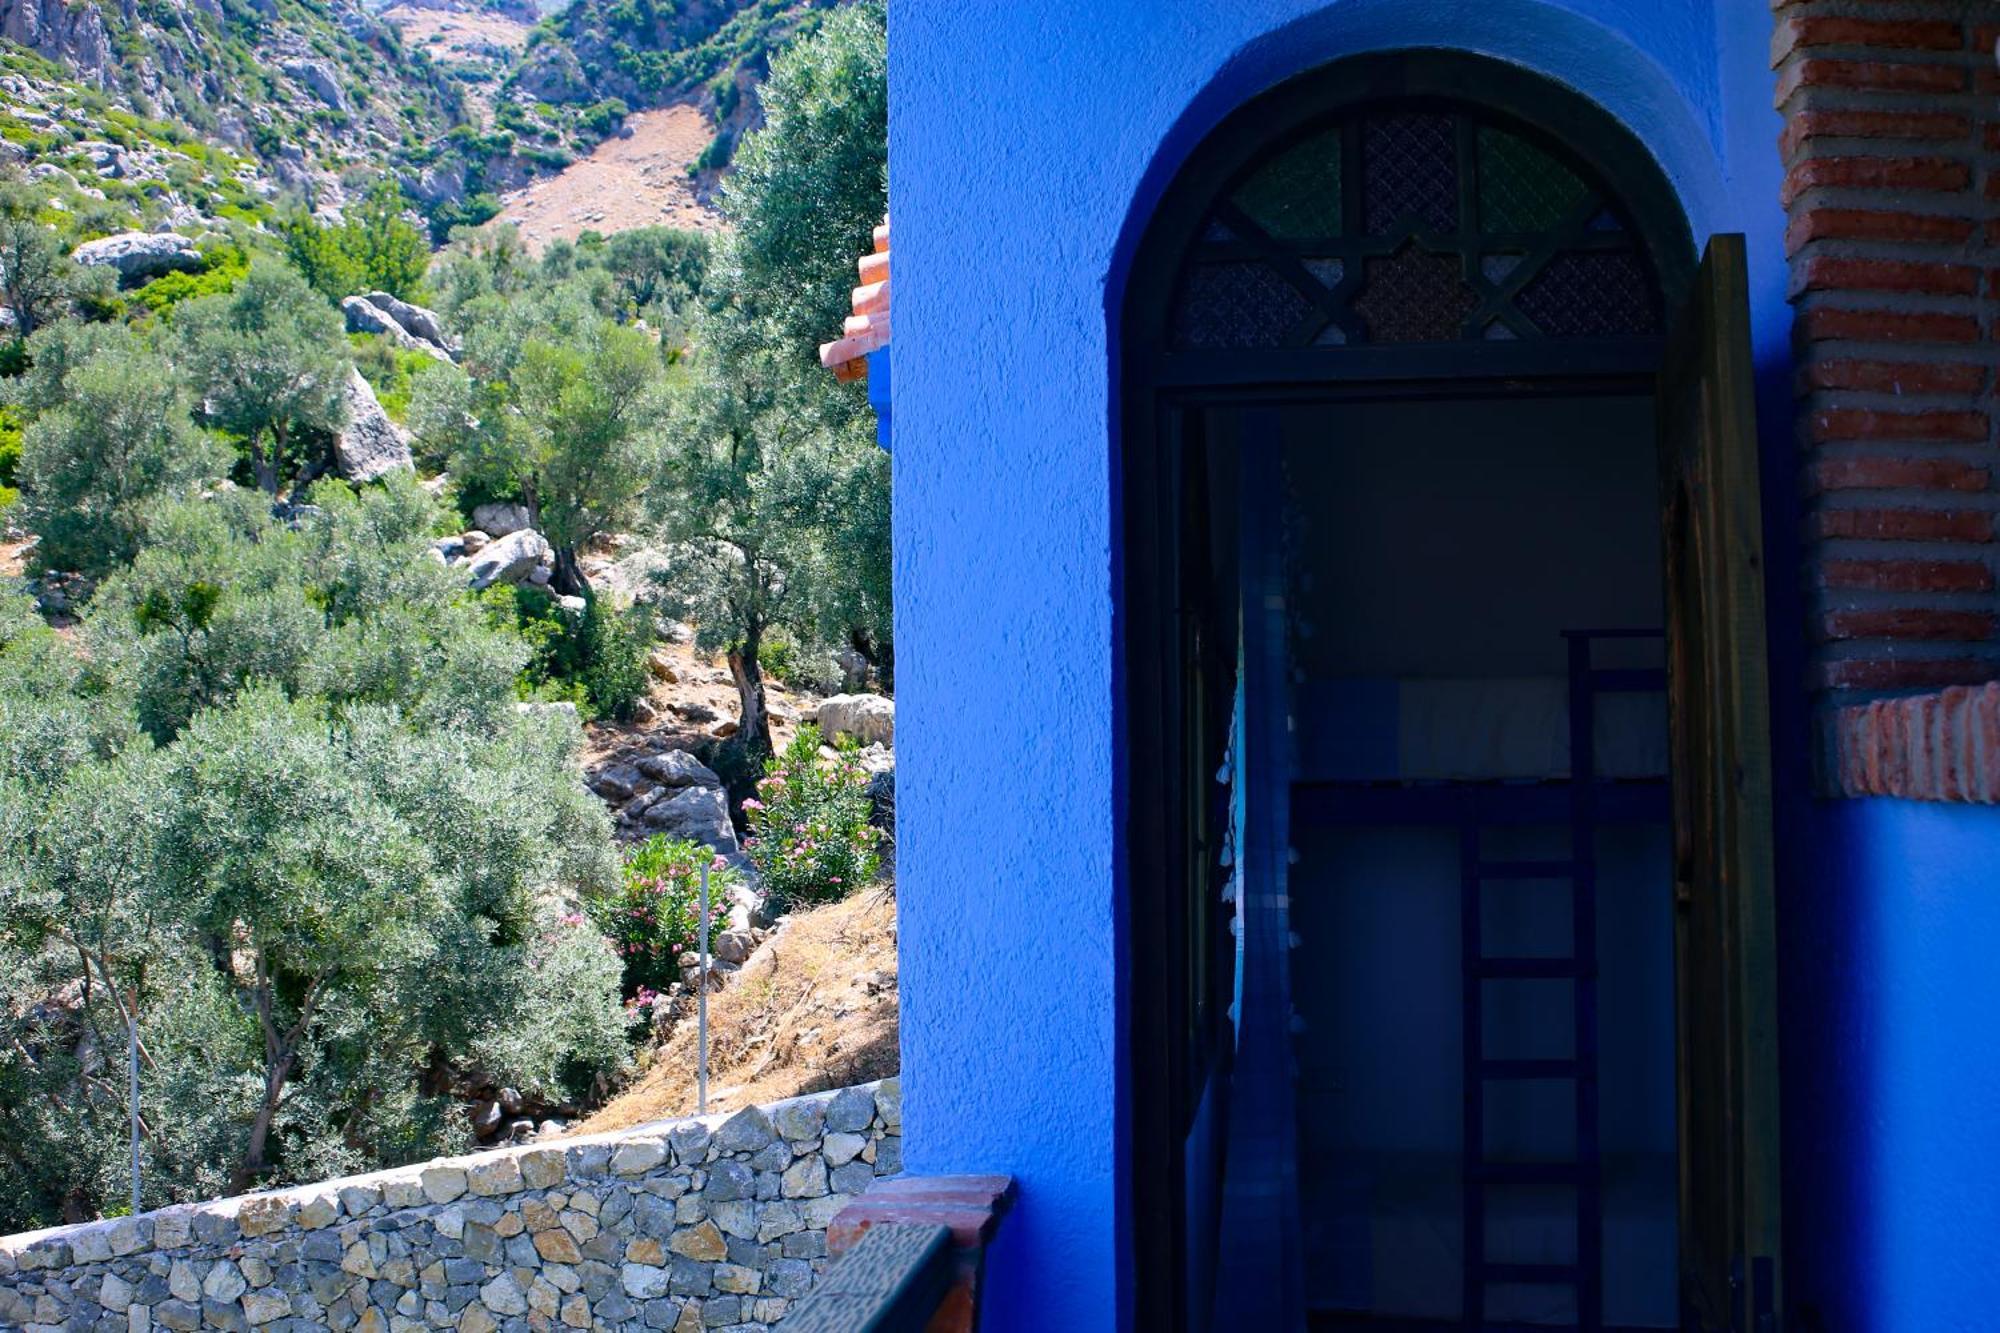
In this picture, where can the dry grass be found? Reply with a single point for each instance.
(814, 1008)
(633, 179)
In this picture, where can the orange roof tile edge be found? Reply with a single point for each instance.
(867, 330)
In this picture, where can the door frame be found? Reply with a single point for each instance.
(1159, 389)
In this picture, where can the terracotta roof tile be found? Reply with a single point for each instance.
(867, 330)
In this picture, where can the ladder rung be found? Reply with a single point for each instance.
(1527, 1069)
(1532, 1274)
(1527, 869)
(1528, 1173)
(1551, 968)
(1619, 680)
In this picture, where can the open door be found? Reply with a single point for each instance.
(1725, 937)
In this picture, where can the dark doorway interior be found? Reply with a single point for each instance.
(1424, 1032)
(1443, 557)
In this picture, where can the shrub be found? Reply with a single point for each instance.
(615, 645)
(654, 916)
(810, 836)
(597, 660)
(10, 456)
(222, 268)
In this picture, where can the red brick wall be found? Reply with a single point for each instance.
(1892, 188)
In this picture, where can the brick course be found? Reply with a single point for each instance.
(1891, 150)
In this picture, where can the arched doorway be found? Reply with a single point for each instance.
(1448, 1007)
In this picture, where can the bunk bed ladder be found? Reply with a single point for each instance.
(1584, 1173)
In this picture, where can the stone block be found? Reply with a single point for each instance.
(543, 1168)
(851, 1110)
(442, 1184)
(746, 1131)
(636, 1159)
(264, 1214)
(494, 1175)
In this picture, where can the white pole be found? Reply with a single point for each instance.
(132, 1069)
(701, 1007)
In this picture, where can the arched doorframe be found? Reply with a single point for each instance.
(1156, 1103)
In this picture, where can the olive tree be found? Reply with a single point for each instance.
(95, 465)
(268, 362)
(560, 411)
(37, 276)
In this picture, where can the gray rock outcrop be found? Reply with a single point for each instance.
(317, 77)
(137, 256)
(364, 316)
(697, 814)
(416, 320)
(510, 559)
(869, 718)
(678, 768)
(501, 518)
(369, 445)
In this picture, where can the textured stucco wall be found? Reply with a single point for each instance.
(714, 1222)
(1892, 1068)
(1027, 142)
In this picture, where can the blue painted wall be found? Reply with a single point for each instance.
(1028, 141)
(1892, 1068)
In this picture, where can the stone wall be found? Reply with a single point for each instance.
(689, 1225)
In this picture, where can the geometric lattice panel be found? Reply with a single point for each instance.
(1412, 224)
(1591, 295)
(1241, 304)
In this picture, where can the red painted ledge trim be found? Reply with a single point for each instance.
(1943, 746)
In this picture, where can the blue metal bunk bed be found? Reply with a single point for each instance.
(1584, 802)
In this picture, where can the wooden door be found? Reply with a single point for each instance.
(1725, 943)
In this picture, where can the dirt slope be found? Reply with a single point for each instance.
(632, 180)
(814, 1008)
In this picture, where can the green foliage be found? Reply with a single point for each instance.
(10, 457)
(94, 467)
(601, 118)
(222, 269)
(596, 659)
(372, 249)
(37, 276)
(557, 405)
(344, 606)
(810, 186)
(810, 836)
(773, 497)
(654, 914)
(267, 361)
(329, 890)
(390, 370)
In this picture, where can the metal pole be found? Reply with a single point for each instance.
(132, 1069)
(701, 1008)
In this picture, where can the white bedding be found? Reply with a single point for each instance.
(1469, 730)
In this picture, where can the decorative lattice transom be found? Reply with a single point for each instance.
(1412, 225)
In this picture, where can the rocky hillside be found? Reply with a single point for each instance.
(650, 53)
(300, 91)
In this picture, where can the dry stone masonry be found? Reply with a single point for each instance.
(688, 1226)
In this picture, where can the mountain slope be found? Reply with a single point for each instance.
(303, 88)
(650, 53)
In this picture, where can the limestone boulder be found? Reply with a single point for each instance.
(511, 559)
(869, 718)
(364, 316)
(501, 518)
(419, 321)
(138, 256)
(678, 768)
(369, 445)
(694, 814)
